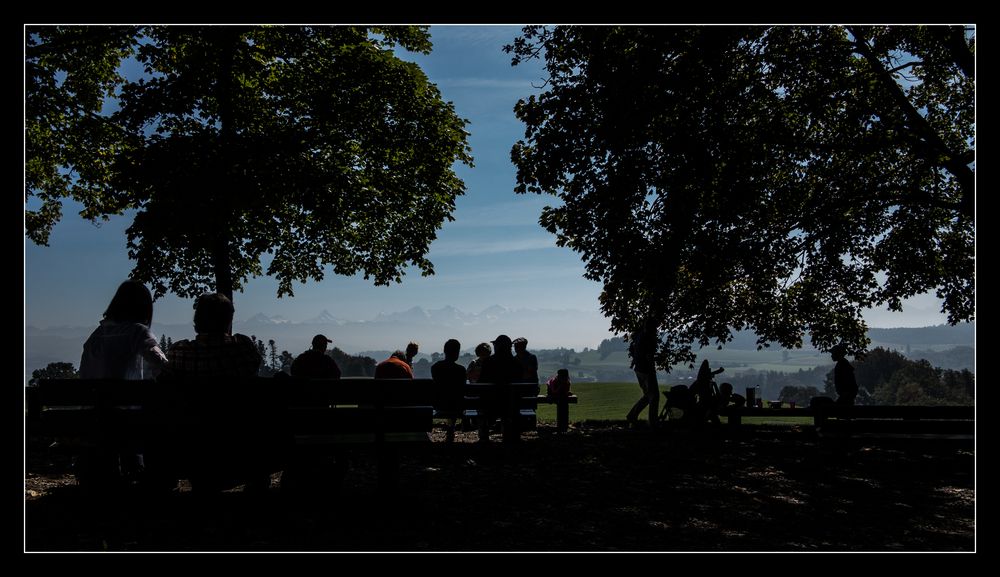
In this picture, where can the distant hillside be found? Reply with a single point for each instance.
(956, 358)
(545, 329)
(940, 335)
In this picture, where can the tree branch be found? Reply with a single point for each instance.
(904, 66)
(953, 38)
(949, 159)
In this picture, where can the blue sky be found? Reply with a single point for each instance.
(493, 253)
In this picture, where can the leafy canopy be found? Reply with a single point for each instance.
(314, 146)
(781, 179)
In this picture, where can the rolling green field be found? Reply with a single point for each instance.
(588, 365)
(612, 401)
(598, 402)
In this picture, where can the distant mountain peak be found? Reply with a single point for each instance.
(262, 319)
(324, 318)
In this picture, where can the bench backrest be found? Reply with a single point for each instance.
(67, 406)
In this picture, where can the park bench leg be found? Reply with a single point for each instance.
(512, 428)
(562, 417)
(388, 468)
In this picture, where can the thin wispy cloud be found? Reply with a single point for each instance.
(519, 84)
(482, 35)
(479, 248)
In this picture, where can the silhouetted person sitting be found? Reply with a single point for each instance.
(843, 376)
(727, 398)
(529, 362)
(214, 356)
(315, 363)
(558, 386)
(117, 347)
(214, 352)
(116, 350)
(483, 351)
(450, 376)
(411, 351)
(395, 367)
(500, 369)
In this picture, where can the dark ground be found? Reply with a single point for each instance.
(597, 488)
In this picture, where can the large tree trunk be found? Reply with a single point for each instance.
(226, 39)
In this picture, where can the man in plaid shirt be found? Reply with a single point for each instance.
(214, 352)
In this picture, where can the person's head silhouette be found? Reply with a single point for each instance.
(319, 343)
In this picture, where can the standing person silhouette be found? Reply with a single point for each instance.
(843, 376)
(642, 347)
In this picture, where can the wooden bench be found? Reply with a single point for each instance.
(217, 430)
(524, 398)
(562, 409)
(514, 404)
(873, 420)
(956, 422)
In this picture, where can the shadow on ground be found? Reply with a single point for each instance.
(598, 487)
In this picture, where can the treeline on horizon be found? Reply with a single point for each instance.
(885, 377)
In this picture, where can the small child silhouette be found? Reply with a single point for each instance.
(558, 386)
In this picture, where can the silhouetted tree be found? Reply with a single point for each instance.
(422, 369)
(608, 346)
(313, 144)
(719, 178)
(353, 366)
(273, 355)
(165, 343)
(887, 377)
(872, 371)
(800, 395)
(54, 371)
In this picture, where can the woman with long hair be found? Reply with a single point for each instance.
(119, 345)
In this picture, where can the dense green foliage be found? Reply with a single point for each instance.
(302, 147)
(353, 365)
(782, 179)
(54, 371)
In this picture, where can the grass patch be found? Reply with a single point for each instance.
(612, 401)
(598, 402)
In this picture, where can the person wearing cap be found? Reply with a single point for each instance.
(529, 362)
(501, 367)
(315, 363)
(843, 376)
